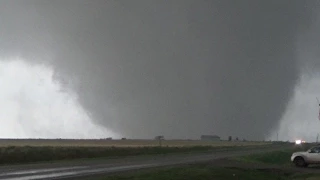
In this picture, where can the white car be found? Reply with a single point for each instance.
(303, 159)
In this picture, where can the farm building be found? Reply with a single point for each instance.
(210, 138)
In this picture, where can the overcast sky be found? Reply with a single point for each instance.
(143, 68)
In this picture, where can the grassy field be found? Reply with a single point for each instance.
(27, 154)
(208, 172)
(277, 157)
(27, 151)
(248, 169)
(119, 143)
(199, 172)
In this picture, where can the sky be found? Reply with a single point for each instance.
(143, 68)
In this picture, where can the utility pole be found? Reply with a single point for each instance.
(277, 136)
(159, 138)
(318, 116)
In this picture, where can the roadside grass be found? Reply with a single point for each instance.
(276, 157)
(306, 177)
(200, 172)
(281, 157)
(28, 154)
(209, 172)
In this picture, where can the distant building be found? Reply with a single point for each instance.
(210, 138)
(159, 137)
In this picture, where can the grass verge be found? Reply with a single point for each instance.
(276, 157)
(206, 172)
(281, 157)
(209, 172)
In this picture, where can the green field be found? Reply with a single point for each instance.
(36, 150)
(30, 151)
(240, 168)
(198, 172)
(121, 143)
(208, 172)
(277, 157)
(28, 154)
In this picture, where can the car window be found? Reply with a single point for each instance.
(315, 150)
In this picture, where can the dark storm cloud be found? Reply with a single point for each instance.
(308, 44)
(177, 68)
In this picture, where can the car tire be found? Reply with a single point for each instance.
(300, 162)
